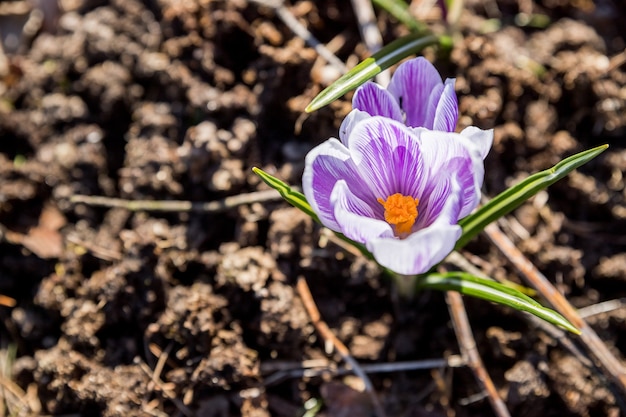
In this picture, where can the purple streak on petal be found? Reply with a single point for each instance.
(460, 175)
(433, 201)
(411, 85)
(357, 219)
(467, 176)
(430, 105)
(417, 253)
(443, 201)
(447, 108)
(354, 117)
(451, 154)
(479, 141)
(326, 164)
(376, 101)
(482, 139)
(388, 157)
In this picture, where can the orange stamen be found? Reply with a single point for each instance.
(400, 211)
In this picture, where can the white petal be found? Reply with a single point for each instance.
(419, 252)
(348, 123)
(482, 139)
(325, 164)
(357, 219)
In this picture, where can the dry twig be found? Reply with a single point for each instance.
(96, 250)
(316, 368)
(324, 331)
(603, 307)
(219, 206)
(610, 366)
(364, 12)
(467, 344)
(298, 28)
(14, 400)
(167, 392)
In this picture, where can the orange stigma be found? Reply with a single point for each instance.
(401, 212)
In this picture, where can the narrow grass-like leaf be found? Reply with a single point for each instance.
(489, 290)
(381, 60)
(400, 10)
(295, 198)
(512, 198)
(298, 200)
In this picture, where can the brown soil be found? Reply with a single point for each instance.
(123, 313)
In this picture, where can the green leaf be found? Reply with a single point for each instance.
(298, 200)
(381, 60)
(489, 290)
(512, 198)
(400, 10)
(295, 198)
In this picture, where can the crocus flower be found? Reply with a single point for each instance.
(398, 190)
(399, 179)
(416, 96)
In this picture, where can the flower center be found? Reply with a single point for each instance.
(401, 212)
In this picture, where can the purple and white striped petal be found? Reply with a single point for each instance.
(376, 101)
(388, 157)
(469, 181)
(359, 221)
(454, 153)
(412, 85)
(441, 201)
(326, 164)
(447, 108)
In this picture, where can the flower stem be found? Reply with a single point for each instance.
(405, 284)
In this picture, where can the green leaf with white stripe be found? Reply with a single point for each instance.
(370, 67)
(493, 291)
(512, 198)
